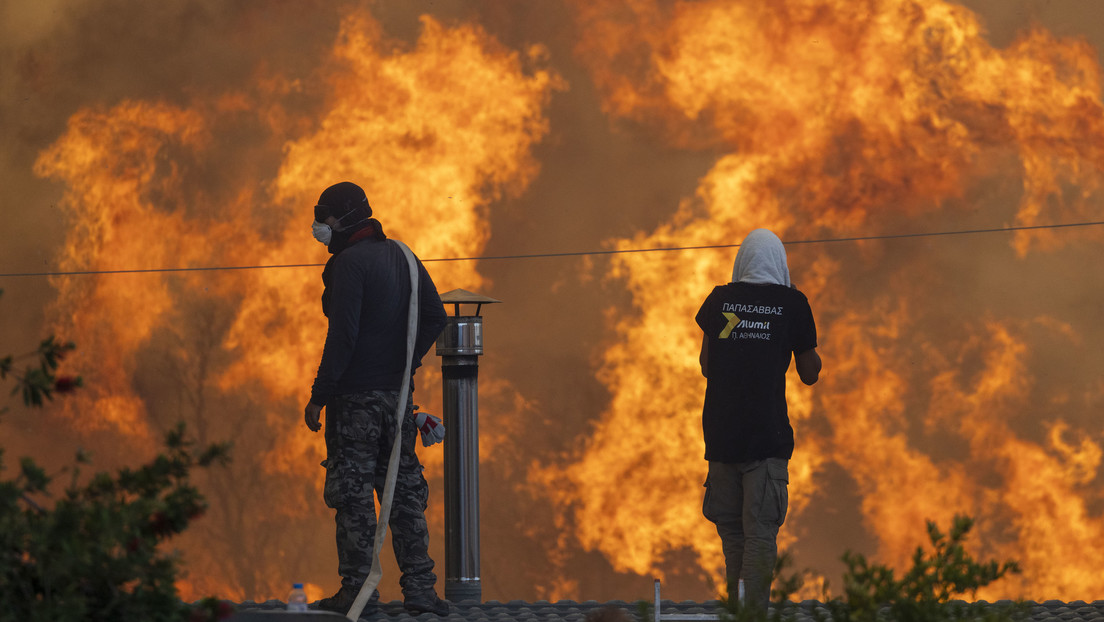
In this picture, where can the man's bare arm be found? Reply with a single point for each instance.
(704, 356)
(808, 366)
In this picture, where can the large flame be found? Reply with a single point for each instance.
(108, 160)
(822, 119)
(840, 118)
(433, 133)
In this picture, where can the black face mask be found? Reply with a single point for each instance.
(339, 240)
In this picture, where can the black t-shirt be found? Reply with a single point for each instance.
(751, 331)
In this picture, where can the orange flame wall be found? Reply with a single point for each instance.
(961, 373)
(840, 119)
(434, 134)
(410, 126)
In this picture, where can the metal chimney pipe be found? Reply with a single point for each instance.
(460, 346)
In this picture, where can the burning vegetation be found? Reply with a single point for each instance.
(961, 372)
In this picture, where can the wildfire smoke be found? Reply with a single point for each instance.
(961, 372)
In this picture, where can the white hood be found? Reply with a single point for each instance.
(761, 259)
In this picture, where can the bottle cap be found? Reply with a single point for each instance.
(296, 586)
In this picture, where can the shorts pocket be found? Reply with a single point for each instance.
(778, 479)
(707, 508)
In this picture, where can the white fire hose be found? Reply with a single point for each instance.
(376, 573)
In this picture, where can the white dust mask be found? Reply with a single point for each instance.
(322, 232)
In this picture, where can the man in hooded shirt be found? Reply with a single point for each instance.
(751, 328)
(366, 297)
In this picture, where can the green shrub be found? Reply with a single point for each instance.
(92, 554)
(925, 592)
(928, 592)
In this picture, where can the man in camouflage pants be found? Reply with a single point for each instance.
(366, 298)
(360, 431)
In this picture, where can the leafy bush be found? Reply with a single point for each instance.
(39, 382)
(872, 593)
(925, 592)
(92, 554)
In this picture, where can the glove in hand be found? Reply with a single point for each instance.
(433, 431)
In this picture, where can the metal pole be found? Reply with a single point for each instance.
(459, 346)
(461, 392)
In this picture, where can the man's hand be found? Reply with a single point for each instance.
(808, 366)
(433, 431)
(311, 414)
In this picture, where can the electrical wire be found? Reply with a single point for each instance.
(891, 236)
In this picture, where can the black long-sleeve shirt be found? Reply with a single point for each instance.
(367, 307)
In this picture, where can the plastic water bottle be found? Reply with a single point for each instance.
(297, 599)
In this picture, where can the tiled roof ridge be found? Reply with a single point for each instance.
(577, 611)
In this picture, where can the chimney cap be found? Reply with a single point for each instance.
(459, 297)
(463, 296)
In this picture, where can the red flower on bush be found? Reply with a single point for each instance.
(67, 384)
(209, 610)
(225, 610)
(160, 524)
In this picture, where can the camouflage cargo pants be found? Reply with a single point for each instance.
(360, 430)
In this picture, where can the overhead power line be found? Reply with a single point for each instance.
(663, 249)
